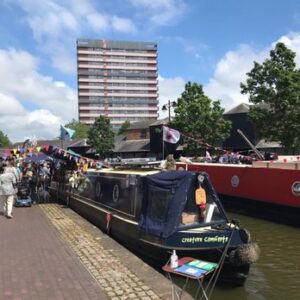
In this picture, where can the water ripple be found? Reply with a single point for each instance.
(276, 275)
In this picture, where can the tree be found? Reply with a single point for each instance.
(101, 136)
(274, 88)
(81, 130)
(125, 126)
(4, 140)
(200, 118)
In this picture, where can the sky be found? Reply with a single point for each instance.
(211, 42)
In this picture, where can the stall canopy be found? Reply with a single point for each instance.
(38, 157)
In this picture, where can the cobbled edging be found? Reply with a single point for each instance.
(116, 280)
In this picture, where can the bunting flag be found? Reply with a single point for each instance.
(66, 133)
(49, 150)
(170, 135)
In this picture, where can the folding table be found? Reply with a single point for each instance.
(176, 291)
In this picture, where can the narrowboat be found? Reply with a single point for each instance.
(265, 189)
(153, 212)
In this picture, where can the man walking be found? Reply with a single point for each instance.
(7, 189)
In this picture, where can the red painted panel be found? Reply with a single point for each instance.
(263, 184)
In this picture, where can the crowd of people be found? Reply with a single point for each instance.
(15, 175)
(230, 157)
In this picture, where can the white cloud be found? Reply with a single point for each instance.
(52, 102)
(19, 77)
(56, 24)
(98, 21)
(292, 41)
(62, 60)
(123, 25)
(232, 68)
(229, 73)
(161, 12)
(10, 106)
(104, 22)
(60, 21)
(169, 89)
(40, 123)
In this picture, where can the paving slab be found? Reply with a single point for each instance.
(37, 264)
(50, 252)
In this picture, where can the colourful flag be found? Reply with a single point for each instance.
(170, 135)
(34, 141)
(66, 133)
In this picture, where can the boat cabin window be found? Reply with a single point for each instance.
(159, 208)
(197, 215)
(201, 207)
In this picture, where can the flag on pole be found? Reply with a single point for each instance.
(33, 141)
(66, 133)
(170, 135)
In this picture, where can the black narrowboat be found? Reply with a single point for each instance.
(153, 212)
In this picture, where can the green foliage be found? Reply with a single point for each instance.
(200, 118)
(274, 88)
(81, 130)
(158, 130)
(101, 136)
(125, 126)
(4, 140)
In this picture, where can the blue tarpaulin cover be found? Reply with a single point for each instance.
(166, 195)
(164, 198)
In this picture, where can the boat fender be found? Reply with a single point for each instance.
(244, 254)
(108, 219)
(200, 196)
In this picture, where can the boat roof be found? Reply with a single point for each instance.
(216, 164)
(293, 165)
(141, 171)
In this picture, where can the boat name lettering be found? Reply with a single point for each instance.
(192, 240)
(216, 239)
(207, 239)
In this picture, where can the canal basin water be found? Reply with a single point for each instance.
(276, 275)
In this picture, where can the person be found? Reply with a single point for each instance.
(10, 168)
(7, 189)
(32, 179)
(223, 159)
(18, 171)
(170, 163)
(74, 180)
(44, 176)
(207, 156)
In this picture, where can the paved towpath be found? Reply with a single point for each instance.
(49, 252)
